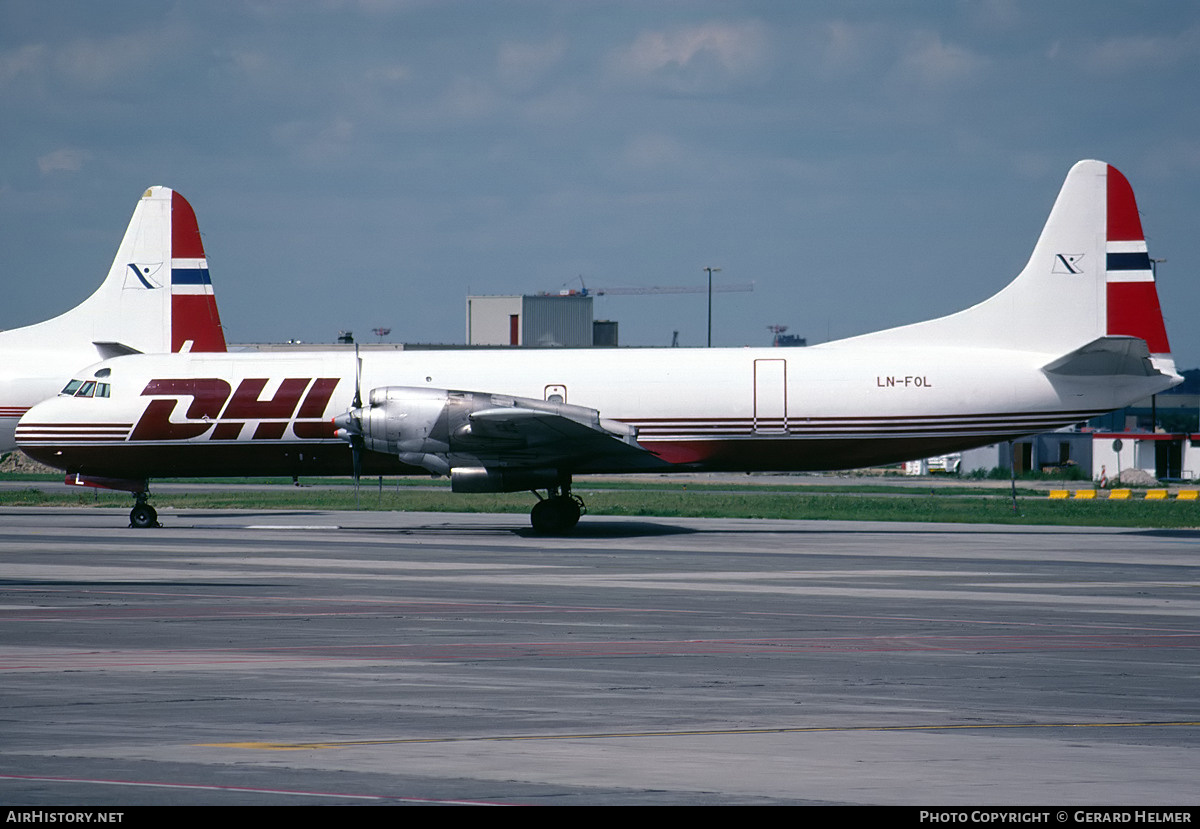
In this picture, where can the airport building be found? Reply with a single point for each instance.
(537, 320)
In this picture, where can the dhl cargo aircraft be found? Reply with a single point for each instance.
(1079, 332)
(157, 298)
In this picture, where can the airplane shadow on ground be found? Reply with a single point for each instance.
(613, 529)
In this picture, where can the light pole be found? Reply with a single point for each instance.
(710, 273)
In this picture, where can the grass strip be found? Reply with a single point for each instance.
(794, 504)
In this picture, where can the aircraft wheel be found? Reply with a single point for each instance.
(543, 517)
(570, 508)
(555, 516)
(143, 516)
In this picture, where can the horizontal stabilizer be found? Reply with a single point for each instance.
(1107, 356)
(110, 349)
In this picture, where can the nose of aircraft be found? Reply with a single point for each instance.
(51, 430)
(38, 428)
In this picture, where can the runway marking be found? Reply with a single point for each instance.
(18, 658)
(249, 789)
(263, 746)
(292, 527)
(387, 605)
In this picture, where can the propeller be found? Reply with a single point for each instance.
(356, 437)
(349, 426)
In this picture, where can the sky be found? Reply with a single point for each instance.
(369, 163)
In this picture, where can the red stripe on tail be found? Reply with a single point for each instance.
(1133, 311)
(1133, 308)
(194, 317)
(185, 232)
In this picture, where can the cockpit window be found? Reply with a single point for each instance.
(71, 387)
(87, 389)
(102, 389)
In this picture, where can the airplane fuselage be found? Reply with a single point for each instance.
(825, 407)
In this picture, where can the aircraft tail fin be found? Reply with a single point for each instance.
(157, 296)
(1089, 277)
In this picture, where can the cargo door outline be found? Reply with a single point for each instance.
(770, 396)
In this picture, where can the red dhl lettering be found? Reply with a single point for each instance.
(217, 407)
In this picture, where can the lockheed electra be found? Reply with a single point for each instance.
(1077, 333)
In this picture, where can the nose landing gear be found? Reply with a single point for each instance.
(143, 516)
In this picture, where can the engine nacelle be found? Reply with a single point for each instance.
(431, 429)
(402, 419)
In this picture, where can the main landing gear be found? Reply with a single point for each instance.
(143, 516)
(558, 512)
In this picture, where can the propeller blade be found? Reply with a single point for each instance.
(356, 444)
(357, 378)
(354, 421)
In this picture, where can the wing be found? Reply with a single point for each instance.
(575, 438)
(458, 433)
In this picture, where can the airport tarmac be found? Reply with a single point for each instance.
(295, 658)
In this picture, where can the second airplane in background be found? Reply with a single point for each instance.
(1079, 332)
(156, 298)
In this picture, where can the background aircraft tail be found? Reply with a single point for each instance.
(1090, 277)
(157, 296)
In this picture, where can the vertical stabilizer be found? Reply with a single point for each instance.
(158, 296)
(1089, 277)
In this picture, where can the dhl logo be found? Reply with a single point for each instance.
(216, 406)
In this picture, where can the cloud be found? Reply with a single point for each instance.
(695, 59)
(470, 99)
(996, 15)
(846, 46)
(654, 152)
(66, 160)
(389, 74)
(522, 65)
(1118, 56)
(918, 59)
(28, 60)
(316, 142)
(929, 63)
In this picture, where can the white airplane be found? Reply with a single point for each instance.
(1079, 332)
(157, 298)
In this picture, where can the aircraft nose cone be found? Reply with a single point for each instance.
(43, 430)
